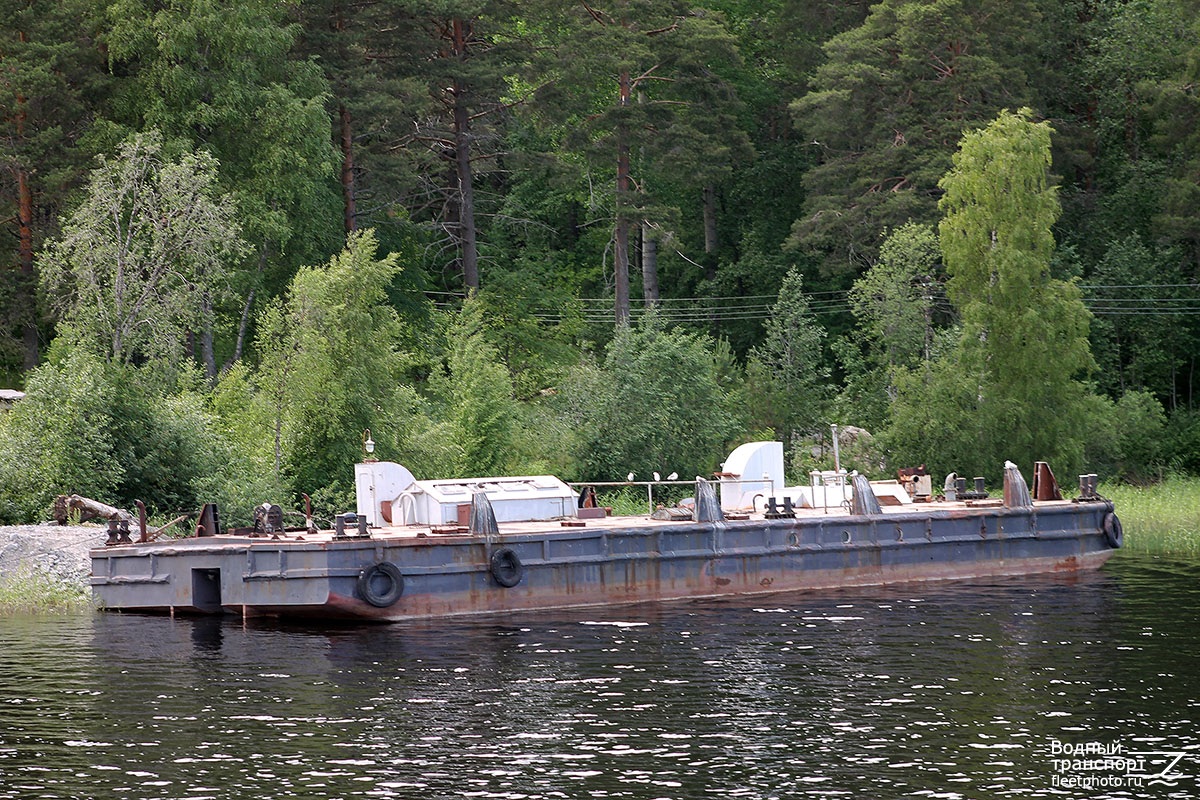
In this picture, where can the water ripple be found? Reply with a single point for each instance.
(941, 691)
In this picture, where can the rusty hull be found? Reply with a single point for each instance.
(610, 561)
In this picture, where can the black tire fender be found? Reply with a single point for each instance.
(506, 568)
(1113, 531)
(381, 584)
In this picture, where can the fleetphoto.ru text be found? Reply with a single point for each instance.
(1112, 765)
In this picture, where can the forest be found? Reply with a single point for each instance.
(591, 238)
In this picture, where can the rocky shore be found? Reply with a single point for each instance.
(58, 551)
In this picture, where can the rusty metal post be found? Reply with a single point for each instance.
(141, 507)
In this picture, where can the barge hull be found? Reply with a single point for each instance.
(613, 561)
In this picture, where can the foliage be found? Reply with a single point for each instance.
(1141, 423)
(217, 79)
(475, 399)
(896, 304)
(1182, 442)
(106, 431)
(331, 365)
(888, 98)
(58, 440)
(894, 300)
(513, 307)
(133, 267)
(865, 396)
(785, 373)
(239, 431)
(1126, 438)
(52, 80)
(695, 139)
(640, 97)
(222, 78)
(657, 403)
(1128, 329)
(1011, 390)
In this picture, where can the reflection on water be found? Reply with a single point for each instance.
(949, 691)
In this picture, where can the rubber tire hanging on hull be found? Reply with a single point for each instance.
(381, 584)
(1112, 530)
(507, 569)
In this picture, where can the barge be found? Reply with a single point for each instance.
(419, 549)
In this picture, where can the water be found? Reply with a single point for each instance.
(944, 691)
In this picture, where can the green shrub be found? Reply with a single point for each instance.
(661, 401)
(59, 439)
(1183, 442)
(105, 431)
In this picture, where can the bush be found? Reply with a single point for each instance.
(1141, 423)
(244, 473)
(98, 430)
(474, 398)
(59, 439)
(661, 401)
(1182, 446)
(1126, 440)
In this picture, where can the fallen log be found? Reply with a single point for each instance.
(87, 508)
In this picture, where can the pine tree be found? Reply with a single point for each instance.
(885, 108)
(787, 369)
(52, 78)
(640, 94)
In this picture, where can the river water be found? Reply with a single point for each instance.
(954, 690)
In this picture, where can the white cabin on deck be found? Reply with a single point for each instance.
(388, 494)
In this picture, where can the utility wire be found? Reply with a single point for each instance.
(752, 308)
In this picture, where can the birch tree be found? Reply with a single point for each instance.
(151, 240)
(1013, 387)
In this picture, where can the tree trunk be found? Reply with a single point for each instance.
(462, 154)
(621, 233)
(244, 322)
(25, 294)
(349, 212)
(711, 245)
(87, 508)
(206, 340)
(649, 266)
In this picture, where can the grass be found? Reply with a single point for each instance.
(627, 501)
(633, 501)
(1162, 518)
(31, 591)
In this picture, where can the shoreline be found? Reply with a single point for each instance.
(46, 567)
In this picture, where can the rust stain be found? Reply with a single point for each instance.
(722, 581)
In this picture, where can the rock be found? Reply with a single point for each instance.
(59, 551)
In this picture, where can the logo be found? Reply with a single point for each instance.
(1110, 765)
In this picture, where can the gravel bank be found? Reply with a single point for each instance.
(59, 551)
